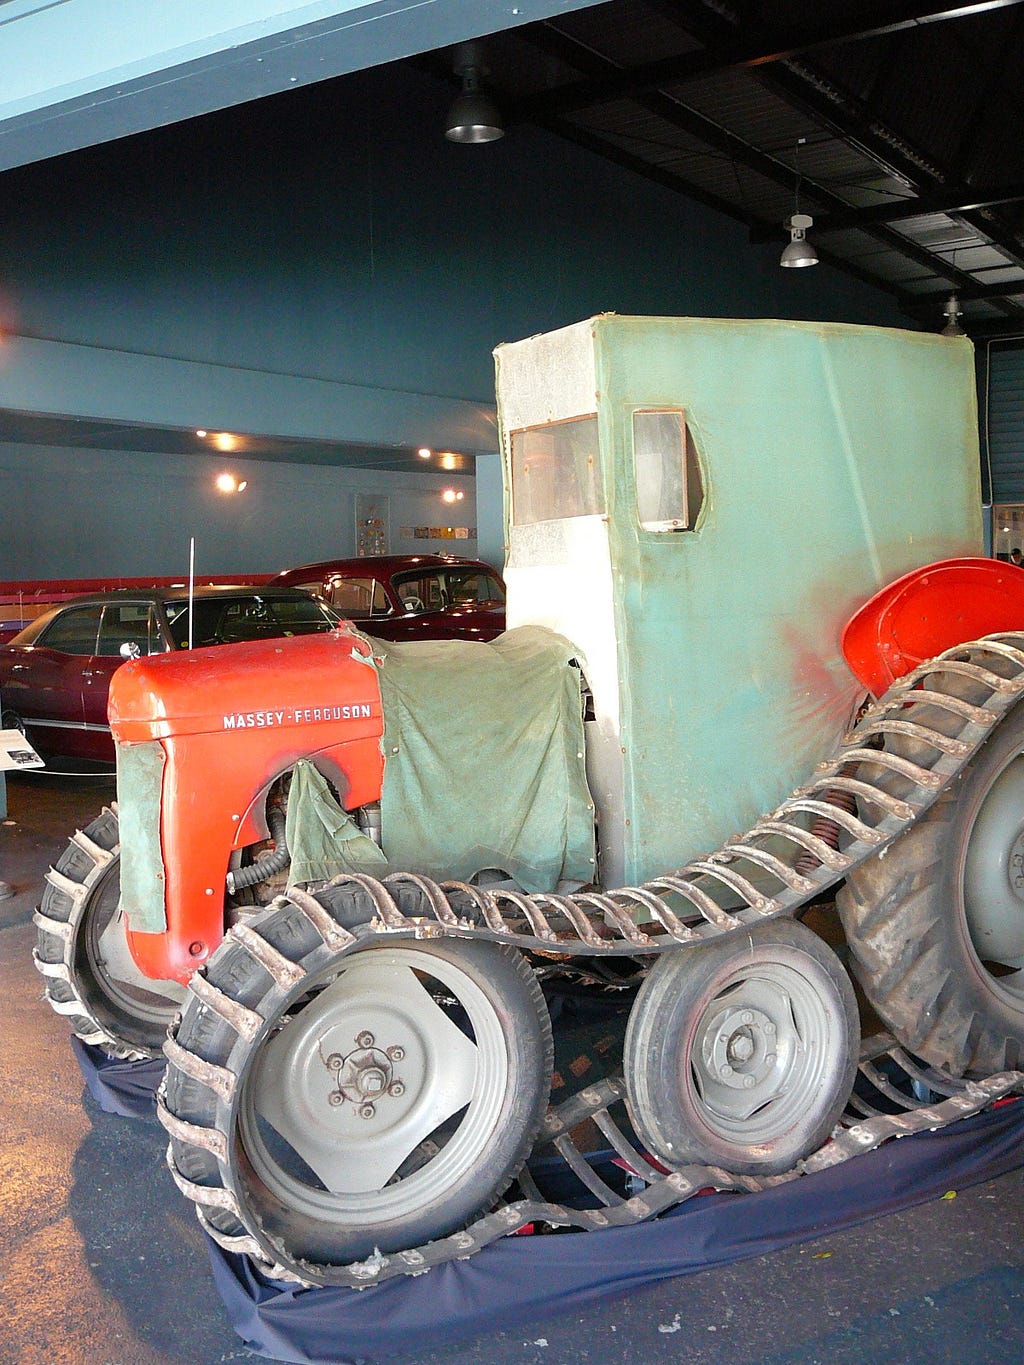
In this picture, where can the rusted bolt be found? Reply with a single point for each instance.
(396, 1054)
(364, 1039)
(366, 1111)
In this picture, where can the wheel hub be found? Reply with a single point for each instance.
(738, 1048)
(365, 1075)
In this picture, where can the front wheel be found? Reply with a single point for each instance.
(82, 951)
(395, 1094)
(741, 1053)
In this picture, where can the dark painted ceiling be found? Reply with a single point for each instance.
(902, 124)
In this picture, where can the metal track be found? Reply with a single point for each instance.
(754, 876)
(886, 1069)
(751, 878)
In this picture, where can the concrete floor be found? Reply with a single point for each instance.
(102, 1262)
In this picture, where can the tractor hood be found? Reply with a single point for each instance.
(270, 684)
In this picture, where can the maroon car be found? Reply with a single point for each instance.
(409, 597)
(55, 674)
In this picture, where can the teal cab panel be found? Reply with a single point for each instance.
(701, 505)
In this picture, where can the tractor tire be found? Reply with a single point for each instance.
(83, 956)
(936, 924)
(741, 1053)
(385, 1098)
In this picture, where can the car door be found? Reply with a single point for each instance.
(361, 599)
(45, 684)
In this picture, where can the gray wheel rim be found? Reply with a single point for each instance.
(993, 882)
(344, 1106)
(763, 1049)
(122, 986)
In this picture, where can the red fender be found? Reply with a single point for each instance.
(928, 611)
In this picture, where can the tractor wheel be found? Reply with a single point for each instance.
(936, 924)
(742, 1053)
(82, 953)
(390, 1095)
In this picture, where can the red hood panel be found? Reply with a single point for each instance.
(270, 684)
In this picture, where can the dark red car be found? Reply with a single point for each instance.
(409, 597)
(55, 674)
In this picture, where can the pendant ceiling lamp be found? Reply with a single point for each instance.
(474, 116)
(799, 252)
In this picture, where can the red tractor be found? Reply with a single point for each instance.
(341, 869)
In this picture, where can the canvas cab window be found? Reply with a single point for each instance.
(555, 472)
(669, 487)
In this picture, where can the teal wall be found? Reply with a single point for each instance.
(333, 234)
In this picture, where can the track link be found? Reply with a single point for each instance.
(751, 878)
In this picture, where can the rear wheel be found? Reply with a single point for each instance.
(742, 1053)
(936, 925)
(394, 1095)
(82, 951)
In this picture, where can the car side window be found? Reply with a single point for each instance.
(74, 631)
(424, 592)
(357, 596)
(129, 623)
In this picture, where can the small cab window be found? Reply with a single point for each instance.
(130, 623)
(357, 596)
(556, 471)
(73, 631)
(669, 487)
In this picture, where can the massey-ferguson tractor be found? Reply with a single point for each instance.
(753, 655)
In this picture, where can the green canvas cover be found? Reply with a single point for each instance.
(322, 838)
(484, 765)
(140, 774)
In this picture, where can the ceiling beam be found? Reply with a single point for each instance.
(835, 109)
(549, 38)
(730, 54)
(899, 210)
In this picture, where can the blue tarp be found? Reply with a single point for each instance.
(519, 1279)
(125, 1088)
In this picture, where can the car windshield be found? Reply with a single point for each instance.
(437, 589)
(229, 620)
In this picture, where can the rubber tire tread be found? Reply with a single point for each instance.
(677, 989)
(78, 865)
(904, 922)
